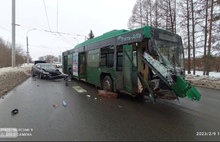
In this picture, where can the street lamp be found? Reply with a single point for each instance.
(27, 44)
(60, 60)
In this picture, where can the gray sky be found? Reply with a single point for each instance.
(76, 17)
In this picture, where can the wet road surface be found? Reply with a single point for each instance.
(88, 116)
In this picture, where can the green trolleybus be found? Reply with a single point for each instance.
(146, 60)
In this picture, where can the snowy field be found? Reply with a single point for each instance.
(211, 81)
(211, 74)
(11, 77)
(23, 67)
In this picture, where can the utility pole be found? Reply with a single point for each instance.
(27, 44)
(13, 34)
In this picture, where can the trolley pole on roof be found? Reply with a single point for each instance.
(13, 34)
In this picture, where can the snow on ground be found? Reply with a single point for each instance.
(211, 81)
(10, 77)
(23, 67)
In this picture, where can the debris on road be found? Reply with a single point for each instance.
(37, 85)
(95, 98)
(15, 111)
(64, 104)
(88, 96)
(66, 84)
(120, 106)
(3, 97)
(107, 94)
(55, 105)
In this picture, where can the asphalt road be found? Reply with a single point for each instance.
(88, 116)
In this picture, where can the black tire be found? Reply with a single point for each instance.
(107, 84)
(40, 76)
(33, 75)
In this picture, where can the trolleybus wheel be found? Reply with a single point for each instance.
(107, 84)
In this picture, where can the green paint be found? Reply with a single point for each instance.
(117, 33)
(182, 88)
(127, 68)
(93, 75)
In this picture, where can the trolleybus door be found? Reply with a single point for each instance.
(127, 68)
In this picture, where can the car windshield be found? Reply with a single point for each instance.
(47, 66)
(172, 53)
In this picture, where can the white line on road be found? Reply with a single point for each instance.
(79, 89)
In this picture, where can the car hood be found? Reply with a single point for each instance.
(50, 70)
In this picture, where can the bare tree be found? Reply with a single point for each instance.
(91, 35)
(136, 19)
(193, 36)
(205, 40)
(48, 58)
(5, 54)
(155, 14)
(188, 34)
(168, 14)
(210, 38)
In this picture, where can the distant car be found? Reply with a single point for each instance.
(39, 61)
(57, 65)
(47, 70)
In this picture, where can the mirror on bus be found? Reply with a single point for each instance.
(151, 47)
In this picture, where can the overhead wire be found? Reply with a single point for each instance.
(5, 29)
(64, 39)
(55, 34)
(46, 15)
(10, 31)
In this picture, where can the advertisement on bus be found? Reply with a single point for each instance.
(75, 64)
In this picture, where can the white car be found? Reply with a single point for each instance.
(57, 65)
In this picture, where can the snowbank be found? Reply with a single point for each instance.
(211, 81)
(10, 77)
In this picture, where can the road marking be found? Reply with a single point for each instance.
(79, 89)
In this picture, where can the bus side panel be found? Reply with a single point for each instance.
(93, 71)
(70, 62)
(64, 67)
(119, 80)
(93, 75)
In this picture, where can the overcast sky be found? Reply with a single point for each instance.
(74, 17)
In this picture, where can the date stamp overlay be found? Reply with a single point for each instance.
(207, 134)
(15, 132)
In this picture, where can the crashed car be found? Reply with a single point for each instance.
(47, 70)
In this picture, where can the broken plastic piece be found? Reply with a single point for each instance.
(64, 104)
(55, 105)
(15, 111)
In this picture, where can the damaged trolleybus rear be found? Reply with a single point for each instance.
(147, 61)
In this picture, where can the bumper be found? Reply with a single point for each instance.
(49, 76)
